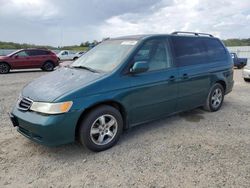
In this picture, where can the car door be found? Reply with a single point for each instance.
(64, 55)
(194, 75)
(36, 58)
(22, 60)
(71, 55)
(154, 92)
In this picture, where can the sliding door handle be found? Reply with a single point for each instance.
(171, 78)
(185, 76)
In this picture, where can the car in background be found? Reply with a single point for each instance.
(246, 72)
(79, 54)
(69, 62)
(68, 55)
(27, 59)
(238, 62)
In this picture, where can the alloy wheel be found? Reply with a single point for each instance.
(216, 98)
(104, 129)
(4, 68)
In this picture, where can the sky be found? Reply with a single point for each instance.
(64, 22)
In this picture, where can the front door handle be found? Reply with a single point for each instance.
(172, 78)
(185, 76)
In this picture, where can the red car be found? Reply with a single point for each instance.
(29, 58)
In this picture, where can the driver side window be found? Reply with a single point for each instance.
(155, 53)
(65, 53)
(22, 54)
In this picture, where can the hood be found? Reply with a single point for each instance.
(3, 57)
(53, 85)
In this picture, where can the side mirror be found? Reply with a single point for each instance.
(139, 67)
(16, 56)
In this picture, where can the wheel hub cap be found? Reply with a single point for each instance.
(104, 129)
(216, 98)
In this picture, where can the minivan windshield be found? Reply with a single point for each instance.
(106, 56)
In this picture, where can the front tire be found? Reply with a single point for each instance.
(215, 98)
(4, 68)
(101, 128)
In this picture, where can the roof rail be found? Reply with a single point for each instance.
(36, 48)
(193, 33)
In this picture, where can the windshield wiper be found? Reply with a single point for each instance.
(86, 68)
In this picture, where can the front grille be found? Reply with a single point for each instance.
(24, 104)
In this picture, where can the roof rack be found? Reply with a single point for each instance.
(193, 33)
(36, 48)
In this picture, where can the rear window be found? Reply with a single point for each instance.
(188, 50)
(194, 50)
(215, 50)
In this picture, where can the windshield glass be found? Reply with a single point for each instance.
(106, 56)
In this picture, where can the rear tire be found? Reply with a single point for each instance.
(101, 128)
(48, 66)
(240, 66)
(4, 68)
(215, 98)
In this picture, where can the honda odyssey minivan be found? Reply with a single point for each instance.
(121, 83)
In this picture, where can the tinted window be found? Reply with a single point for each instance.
(32, 52)
(155, 53)
(189, 50)
(43, 52)
(215, 50)
(37, 52)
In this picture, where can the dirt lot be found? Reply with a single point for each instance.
(195, 148)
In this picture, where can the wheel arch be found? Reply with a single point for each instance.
(223, 83)
(48, 60)
(6, 63)
(112, 103)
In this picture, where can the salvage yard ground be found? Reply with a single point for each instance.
(195, 148)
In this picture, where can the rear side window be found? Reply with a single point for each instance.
(43, 52)
(37, 52)
(215, 50)
(189, 50)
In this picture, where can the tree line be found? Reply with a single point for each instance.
(87, 44)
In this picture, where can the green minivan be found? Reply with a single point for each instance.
(123, 82)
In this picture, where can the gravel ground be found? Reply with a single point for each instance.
(192, 149)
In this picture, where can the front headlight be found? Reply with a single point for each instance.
(51, 108)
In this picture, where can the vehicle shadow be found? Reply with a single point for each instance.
(77, 151)
(193, 116)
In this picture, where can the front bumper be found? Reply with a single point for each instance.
(246, 73)
(50, 130)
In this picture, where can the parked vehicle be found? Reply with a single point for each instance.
(27, 59)
(80, 53)
(246, 72)
(68, 55)
(121, 83)
(238, 62)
